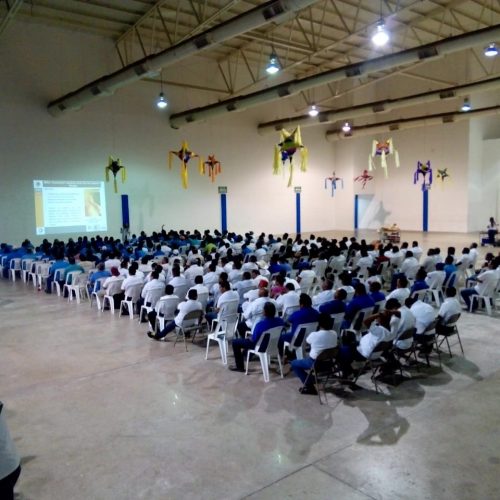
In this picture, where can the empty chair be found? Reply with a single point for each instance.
(223, 333)
(15, 269)
(265, 349)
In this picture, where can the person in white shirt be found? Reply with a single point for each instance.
(449, 307)
(424, 315)
(166, 305)
(132, 280)
(320, 340)
(255, 311)
(326, 295)
(410, 265)
(288, 299)
(417, 251)
(153, 284)
(364, 262)
(178, 280)
(193, 270)
(486, 283)
(245, 285)
(379, 331)
(429, 264)
(113, 261)
(474, 253)
(435, 279)
(402, 292)
(401, 320)
(192, 304)
(465, 261)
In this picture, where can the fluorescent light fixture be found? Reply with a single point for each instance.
(466, 105)
(273, 66)
(491, 50)
(161, 102)
(313, 111)
(346, 128)
(380, 37)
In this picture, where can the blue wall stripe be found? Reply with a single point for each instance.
(223, 212)
(125, 212)
(297, 213)
(356, 200)
(425, 214)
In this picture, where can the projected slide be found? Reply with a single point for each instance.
(69, 207)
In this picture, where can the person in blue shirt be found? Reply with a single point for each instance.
(449, 269)
(274, 266)
(361, 300)
(60, 263)
(375, 292)
(419, 283)
(100, 273)
(241, 346)
(335, 306)
(305, 314)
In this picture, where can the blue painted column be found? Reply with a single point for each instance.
(125, 211)
(223, 207)
(356, 199)
(425, 212)
(297, 190)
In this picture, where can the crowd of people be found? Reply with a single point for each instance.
(278, 282)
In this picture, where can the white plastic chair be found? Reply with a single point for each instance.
(132, 295)
(78, 287)
(14, 268)
(228, 309)
(114, 288)
(94, 295)
(26, 267)
(58, 276)
(337, 319)
(265, 349)
(70, 280)
(224, 332)
(165, 308)
(152, 297)
(41, 275)
(288, 311)
(487, 300)
(299, 338)
(181, 290)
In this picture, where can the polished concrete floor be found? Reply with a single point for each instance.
(99, 411)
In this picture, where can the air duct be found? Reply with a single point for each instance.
(390, 61)
(407, 123)
(381, 106)
(275, 11)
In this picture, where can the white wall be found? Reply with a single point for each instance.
(41, 63)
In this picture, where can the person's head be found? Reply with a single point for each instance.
(466, 251)
(224, 286)
(414, 244)
(340, 294)
(155, 274)
(449, 260)
(409, 254)
(392, 305)
(360, 289)
(100, 266)
(71, 259)
(440, 266)
(375, 287)
(402, 282)
(492, 221)
(305, 300)
(169, 290)
(325, 321)
(269, 310)
(430, 252)
(410, 301)
(451, 250)
(198, 280)
(176, 271)
(327, 284)
(280, 280)
(192, 294)
(451, 291)
(263, 292)
(290, 287)
(421, 274)
(115, 272)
